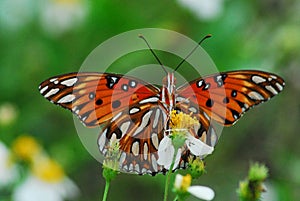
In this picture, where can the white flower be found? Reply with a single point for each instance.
(8, 113)
(46, 180)
(166, 150)
(182, 184)
(204, 9)
(60, 16)
(8, 171)
(15, 14)
(35, 189)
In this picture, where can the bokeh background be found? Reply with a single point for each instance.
(40, 39)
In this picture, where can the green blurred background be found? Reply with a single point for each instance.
(37, 42)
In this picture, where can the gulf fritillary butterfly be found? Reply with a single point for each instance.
(136, 112)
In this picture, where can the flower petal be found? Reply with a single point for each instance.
(202, 192)
(165, 152)
(177, 159)
(197, 147)
(178, 181)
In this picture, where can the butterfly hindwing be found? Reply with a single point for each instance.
(225, 97)
(139, 135)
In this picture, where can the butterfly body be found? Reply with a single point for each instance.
(136, 113)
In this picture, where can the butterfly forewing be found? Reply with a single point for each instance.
(96, 97)
(225, 97)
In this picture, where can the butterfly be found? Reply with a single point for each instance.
(136, 113)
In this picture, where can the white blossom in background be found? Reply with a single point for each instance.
(8, 113)
(183, 184)
(47, 182)
(8, 171)
(204, 9)
(60, 16)
(35, 189)
(15, 14)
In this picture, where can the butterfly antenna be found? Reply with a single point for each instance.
(193, 50)
(156, 57)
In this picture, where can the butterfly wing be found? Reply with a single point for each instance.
(96, 97)
(128, 109)
(225, 97)
(139, 135)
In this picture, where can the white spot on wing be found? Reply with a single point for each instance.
(43, 89)
(192, 109)
(52, 92)
(144, 122)
(123, 157)
(151, 100)
(102, 140)
(154, 163)
(66, 99)
(124, 127)
(271, 89)
(200, 83)
(116, 116)
(258, 79)
(181, 99)
(274, 77)
(279, 86)
(132, 83)
(135, 148)
(156, 118)
(134, 110)
(137, 168)
(130, 167)
(114, 79)
(53, 79)
(206, 115)
(255, 95)
(146, 151)
(69, 82)
(154, 139)
(144, 170)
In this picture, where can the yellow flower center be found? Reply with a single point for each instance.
(182, 183)
(26, 148)
(48, 170)
(186, 182)
(182, 121)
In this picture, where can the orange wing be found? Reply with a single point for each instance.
(128, 109)
(225, 97)
(97, 97)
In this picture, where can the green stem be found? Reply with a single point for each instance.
(167, 183)
(107, 184)
(176, 198)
